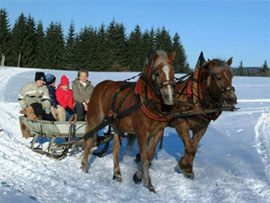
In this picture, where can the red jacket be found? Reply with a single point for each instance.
(64, 98)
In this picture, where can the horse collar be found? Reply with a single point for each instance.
(143, 97)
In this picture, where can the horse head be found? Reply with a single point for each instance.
(219, 82)
(160, 73)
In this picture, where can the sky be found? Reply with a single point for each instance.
(221, 29)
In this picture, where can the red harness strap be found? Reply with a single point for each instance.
(150, 115)
(138, 89)
(143, 108)
(190, 95)
(189, 89)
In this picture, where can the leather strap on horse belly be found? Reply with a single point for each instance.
(195, 86)
(112, 119)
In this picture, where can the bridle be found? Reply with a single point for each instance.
(158, 86)
(223, 89)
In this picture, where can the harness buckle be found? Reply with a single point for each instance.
(112, 114)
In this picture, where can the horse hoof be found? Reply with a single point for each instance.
(189, 175)
(118, 178)
(151, 189)
(138, 158)
(84, 169)
(136, 179)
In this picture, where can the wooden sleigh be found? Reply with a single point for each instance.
(52, 134)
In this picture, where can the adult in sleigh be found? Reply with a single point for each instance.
(34, 99)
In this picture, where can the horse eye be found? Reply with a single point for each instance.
(219, 78)
(157, 74)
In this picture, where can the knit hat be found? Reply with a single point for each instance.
(40, 76)
(50, 78)
(64, 80)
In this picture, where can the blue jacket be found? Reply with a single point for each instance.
(52, 96)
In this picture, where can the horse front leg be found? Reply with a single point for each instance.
(116, 147)
(197, 135)
(185, 162)
(191, 147)
(153, 144)
(89, 144)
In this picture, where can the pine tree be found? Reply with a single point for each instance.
(148, 46)
(69, 49)
(40, 52)
(5, 38)
(241, 69)
(163, 40)
(18, 41)
(86, 52)
(180, 61)
(135, 54)
(265, 69)
(54, 46)
(30, 43)
(102, 50)
(116, 43)
(23, 42)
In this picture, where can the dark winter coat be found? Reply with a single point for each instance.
(52, 96)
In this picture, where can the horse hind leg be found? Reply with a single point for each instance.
(142, 142)
(89, 144)
(116, 147)
(138, 176)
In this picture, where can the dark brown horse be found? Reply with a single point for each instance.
(153, 90)
(215, 91)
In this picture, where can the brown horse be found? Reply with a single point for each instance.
(215, 92)
(153, 90)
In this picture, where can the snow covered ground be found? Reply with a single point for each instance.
(232, 164)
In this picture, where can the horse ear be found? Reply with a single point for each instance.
(154, 56)
(211, 63)
(229, 62)
(201, 58)
(172, 56)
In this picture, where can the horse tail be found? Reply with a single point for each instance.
(131, 140)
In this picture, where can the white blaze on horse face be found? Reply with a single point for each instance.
(166, 70)
(226, 75)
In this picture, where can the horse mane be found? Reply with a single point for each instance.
(162, 57)
(219, 65)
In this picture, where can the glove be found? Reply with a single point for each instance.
(69, 110)
(48, 111)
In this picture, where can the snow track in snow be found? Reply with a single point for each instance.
(262, 132)
(6, 73)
